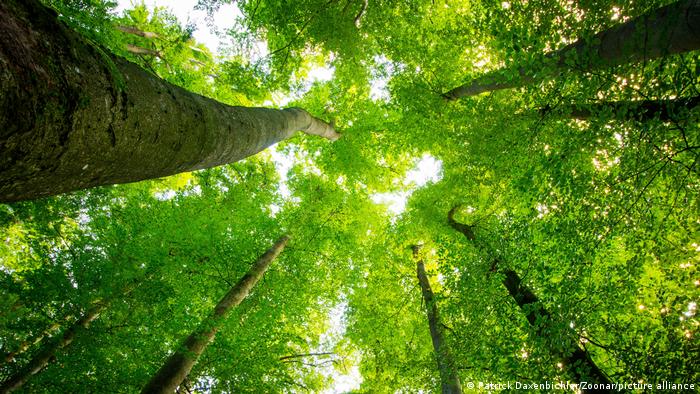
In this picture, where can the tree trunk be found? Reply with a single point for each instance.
(137, 32)
(48, 352)
(73, 116)
(137, 50)
(579, 364)
(642, 110)
(446, 365)
(25, 345)
(668, 30)
(178, 365)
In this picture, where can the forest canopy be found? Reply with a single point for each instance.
(483, 195)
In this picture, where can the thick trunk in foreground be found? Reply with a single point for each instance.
(73, 116)
(48, 352)
(668, 30)
(642, 110)
(579, 364)
(446, 365)
(178, 365)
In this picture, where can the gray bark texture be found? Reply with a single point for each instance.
(668, 30)
(74, 116)
(448, 370)
(180, 363)
(578, 364)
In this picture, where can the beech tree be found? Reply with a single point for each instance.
(574, 255)
(446, 365)
(176, 368)
(578, 362)
(102, 120)
(668, 30)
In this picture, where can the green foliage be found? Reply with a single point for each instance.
(598, 216)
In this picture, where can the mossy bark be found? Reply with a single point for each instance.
(73, 116)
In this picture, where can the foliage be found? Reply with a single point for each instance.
(597, 216)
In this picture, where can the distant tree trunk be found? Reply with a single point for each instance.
(25, 345)
(579, 363)
(642, 110)
(668, 30)
(48, 352)
(73, 116)
(137, 32)
(446, 365)
(137, 50)
(178, 365)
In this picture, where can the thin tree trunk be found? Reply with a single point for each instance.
(579, 364)
(48, 352)
(668, 30)
(178, 365)
(137, 50)
(73, 116)
(642, 110)
(25, 345)
(137, 32)
(446, 365)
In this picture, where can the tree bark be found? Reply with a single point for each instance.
(178, 365)
(642, 110)
(137, 32)
(73, 116)
(25, 345)
(579, 364)
(48, 352)
(137, 50)
(668, 30)
(446, 365)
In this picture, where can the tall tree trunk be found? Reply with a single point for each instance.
(25, 345)
(446, 365)
(642, 110)
(579, 364)
(668, 30)
(73, 116)
(137, 32)
(48, 352)
(178, 365)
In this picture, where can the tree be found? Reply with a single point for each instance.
(178, 365)
(578, 363)
(48, 352)
(102, 120)
(668, 30)
(582, 216)
(448, 370)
